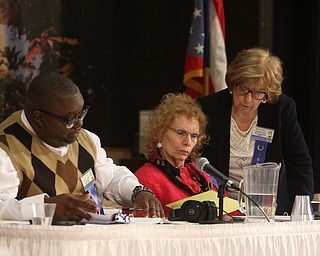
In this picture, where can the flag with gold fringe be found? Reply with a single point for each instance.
(206, 60)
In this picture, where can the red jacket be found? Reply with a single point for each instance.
(163, 188)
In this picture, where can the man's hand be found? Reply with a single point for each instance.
(72, 207)
(149, 204)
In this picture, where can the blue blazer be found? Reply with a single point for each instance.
(288, 145)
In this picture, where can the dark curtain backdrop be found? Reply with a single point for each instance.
(297, 42)
(133, 53)
(130, 53)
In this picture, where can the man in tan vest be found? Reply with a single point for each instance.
(44, 152)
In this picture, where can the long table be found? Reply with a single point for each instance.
(245, 239)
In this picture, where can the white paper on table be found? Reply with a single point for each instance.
(108, 219)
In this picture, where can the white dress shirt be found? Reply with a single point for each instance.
(115, 182)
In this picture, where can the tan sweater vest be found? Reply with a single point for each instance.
(39, 169)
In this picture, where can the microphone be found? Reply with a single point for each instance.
(203, 164)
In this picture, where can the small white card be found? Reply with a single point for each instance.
(88, 179)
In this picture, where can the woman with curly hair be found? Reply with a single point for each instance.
(174, 138)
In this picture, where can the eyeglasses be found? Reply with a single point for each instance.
(258, 95)
(68, 122)
(183, 133)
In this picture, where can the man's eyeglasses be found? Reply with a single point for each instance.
(68, 122)
(258, 95)
(183, 133)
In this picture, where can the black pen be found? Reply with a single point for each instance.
(131, 209)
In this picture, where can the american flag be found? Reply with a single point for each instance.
(206, 61)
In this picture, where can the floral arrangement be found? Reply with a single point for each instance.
(22, 59)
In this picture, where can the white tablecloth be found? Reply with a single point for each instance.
(245, 239)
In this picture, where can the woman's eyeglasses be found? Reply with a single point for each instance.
(258, 95)
(183, 133)
(68, 122)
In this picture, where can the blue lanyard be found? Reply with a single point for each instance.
(93, 193)
(260, 150)
(88, 182)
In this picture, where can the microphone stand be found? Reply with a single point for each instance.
(221, 189)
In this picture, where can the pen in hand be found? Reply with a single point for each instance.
(131, 209)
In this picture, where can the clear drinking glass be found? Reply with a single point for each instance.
(302, 210)
(42, 213)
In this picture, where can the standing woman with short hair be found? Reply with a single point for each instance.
(253, 99)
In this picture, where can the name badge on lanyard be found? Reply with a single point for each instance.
(88, 181)
(262, 136)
